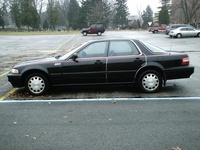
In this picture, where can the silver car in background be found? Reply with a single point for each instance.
(184, 32)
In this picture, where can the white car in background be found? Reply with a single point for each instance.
(184, 32)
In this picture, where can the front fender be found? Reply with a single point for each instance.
(35, 67)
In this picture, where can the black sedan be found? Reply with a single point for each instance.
(111, 61)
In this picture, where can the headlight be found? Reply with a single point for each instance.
(15, 71)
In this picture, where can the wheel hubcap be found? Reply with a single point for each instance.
(36, 84)
(150, 82)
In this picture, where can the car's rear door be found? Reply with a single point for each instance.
(89, 67)
(184, 32)
(124, 59)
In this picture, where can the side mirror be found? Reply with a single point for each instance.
(75, 56)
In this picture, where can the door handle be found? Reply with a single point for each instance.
(98, 62)
(137, 60)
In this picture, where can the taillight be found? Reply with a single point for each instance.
(185, 61)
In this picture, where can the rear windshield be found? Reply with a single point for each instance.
(152, 48)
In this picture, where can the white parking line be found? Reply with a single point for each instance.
(103, 100)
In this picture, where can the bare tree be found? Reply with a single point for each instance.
(186, 11)
(190, 8)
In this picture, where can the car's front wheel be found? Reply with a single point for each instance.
(85, 33)
(198, 35)
(36, 84)
(150, 81)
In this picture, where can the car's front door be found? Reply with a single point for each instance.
(88, 67)
(124, 59)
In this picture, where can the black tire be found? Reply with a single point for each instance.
(150, 81)
(155, 31)
(84, 33)
(179, 35)
(198, 35)
(99, 33)
(36, 84)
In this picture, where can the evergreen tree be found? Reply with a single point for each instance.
(120, 18)
(2, 22)
(73, 14)
(53, 13)
(165, 2)
(147, 16)
(24, 12)
(64, 9)
(16, 13)
(45, 25)
(163, 17)
(3, 13)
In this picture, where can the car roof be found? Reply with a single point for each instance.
(113, 39)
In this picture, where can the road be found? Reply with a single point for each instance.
(108, 125)
(18, 48)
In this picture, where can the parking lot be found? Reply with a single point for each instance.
(23, 47)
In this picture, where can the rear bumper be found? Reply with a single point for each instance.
(179, 72)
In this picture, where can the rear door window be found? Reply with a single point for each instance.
(122, 48)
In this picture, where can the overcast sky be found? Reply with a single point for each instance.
(134, 5)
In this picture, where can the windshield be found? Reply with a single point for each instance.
(73, 51)
(152, 48)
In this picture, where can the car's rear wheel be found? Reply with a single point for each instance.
(150, 81)
(85, 33)
(36, 84)
(179, 35)
(198, 35)
(99, 33)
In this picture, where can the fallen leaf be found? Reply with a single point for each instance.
(177, 148)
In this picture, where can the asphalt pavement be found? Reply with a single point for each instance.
(103, 117)
(19, 48)
(128, 124)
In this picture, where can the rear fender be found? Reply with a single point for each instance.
(151, 66)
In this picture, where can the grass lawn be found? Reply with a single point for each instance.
(39, 32)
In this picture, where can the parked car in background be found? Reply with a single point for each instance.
(184, 32)
(174, 26)
(93, 29)
(110, 61)
(156, 29)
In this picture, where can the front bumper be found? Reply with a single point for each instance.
(15, 79)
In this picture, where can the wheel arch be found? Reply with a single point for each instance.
(150, 67)
(179, 34)
(34, 70)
